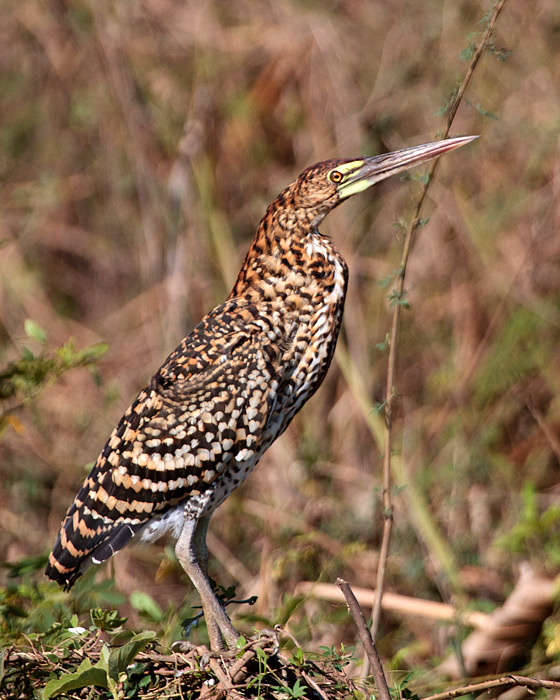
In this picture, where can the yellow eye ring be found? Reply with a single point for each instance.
(335, 176)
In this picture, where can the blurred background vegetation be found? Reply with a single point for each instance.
(140, 143)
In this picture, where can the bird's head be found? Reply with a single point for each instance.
(321, 187)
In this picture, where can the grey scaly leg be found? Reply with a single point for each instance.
(193, 556)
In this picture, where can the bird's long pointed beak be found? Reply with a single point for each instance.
(358, 175)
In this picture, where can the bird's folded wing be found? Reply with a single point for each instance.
(202, 412)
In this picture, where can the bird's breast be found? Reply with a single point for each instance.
(316, 318)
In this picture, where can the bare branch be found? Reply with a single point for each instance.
(504, 681)
(366, 639)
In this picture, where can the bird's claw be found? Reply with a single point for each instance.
(265, 639)
(182, 646)
(198, 651)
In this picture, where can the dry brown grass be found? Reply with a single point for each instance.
(114, 229)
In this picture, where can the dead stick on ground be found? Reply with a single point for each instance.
(504, 681)
(366, 639)
(398, 295)
(399, 604)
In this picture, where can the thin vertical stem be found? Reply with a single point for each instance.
(392, 360)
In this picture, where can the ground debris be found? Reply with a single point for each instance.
(91, 670)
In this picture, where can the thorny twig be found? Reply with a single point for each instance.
(398, 295)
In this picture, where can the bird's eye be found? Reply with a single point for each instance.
(335, 176)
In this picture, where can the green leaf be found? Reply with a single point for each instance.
(34, 331)
(297, 656)
(104, 655)
(291, 604)
(146, 605)
(74, 358)
(467, 54)
(106, 620)
(25, 565)
(298, 691)
(144, 682)
(86, 675)
(261, 655)
(120, 658)
(485, 112)
(378, 407)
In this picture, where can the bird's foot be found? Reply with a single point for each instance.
(265, 639)
(200, 652)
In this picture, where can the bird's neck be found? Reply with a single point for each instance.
(286, 256)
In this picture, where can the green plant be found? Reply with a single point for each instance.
(536, 533)
(23, 379)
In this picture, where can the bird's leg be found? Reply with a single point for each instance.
(190, 545)
(201, 555)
